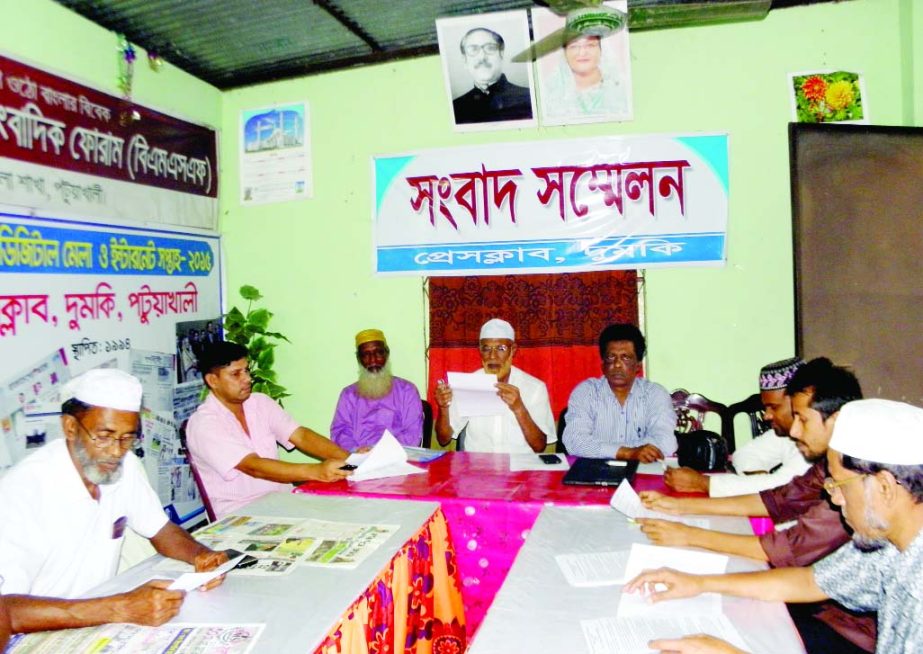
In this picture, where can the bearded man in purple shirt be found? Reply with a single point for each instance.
(378, 401)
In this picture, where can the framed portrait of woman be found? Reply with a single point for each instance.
(587, 80)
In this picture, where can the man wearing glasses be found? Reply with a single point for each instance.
(620, 415)
(818, 391)
(493, 98)
(526, 426)
(65, 510)
(875, 461)
(378, 401)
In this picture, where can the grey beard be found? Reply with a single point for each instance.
(90, 470)
(872, 521)
(375, 385)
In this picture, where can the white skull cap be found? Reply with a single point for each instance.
(109, 388)
(496, 328)
(880, 431)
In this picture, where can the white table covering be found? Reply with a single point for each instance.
(536, 610)
(299, 608)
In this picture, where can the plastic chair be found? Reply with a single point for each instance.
(691, 409)
(753, 407)
(427, 424)
(559, 447)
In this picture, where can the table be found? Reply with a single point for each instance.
(404, 597)
(490, 511)
(536, 610)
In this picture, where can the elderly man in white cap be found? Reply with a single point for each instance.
(527, 425)
(875, 460)
(65, 510)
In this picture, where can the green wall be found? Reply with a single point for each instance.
(48, 36)
(709, 329)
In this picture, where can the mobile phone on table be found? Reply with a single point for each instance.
(348, 466)
(550, 459)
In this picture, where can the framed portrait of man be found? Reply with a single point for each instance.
(587, 80)
(486, 90)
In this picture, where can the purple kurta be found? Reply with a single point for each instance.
(359, 421)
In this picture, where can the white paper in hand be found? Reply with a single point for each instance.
(192, 580)
(386, 459)
(475, 394)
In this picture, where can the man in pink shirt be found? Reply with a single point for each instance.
(232, 437)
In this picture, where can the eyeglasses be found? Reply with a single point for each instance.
(106, 442)
(376, 352)
(488, 48)
(487, 350)
(626, 359)
(831, 485)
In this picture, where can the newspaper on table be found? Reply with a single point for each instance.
(137, 639)
(626, 500)
(281, 543)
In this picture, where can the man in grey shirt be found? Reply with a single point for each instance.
(875, 459)
(620, 415)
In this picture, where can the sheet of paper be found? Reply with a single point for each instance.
(627, 501)
(632, 635)
(594, 568)
(648, 557)
(531, 461)
(475, 394)
(386, 459)
(192, 580)
(422, 454)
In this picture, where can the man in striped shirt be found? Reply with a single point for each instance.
(620, 415)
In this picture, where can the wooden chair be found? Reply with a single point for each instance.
(195, 475)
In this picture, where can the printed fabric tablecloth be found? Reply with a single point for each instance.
(414, 606)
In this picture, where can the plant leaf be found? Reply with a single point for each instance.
(251, 293)
(259, 318)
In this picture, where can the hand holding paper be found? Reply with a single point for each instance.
(386, 459)
(192, 580)
(475, 394)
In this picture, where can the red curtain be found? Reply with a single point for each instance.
(557, 319)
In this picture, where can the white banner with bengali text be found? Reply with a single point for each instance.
(553, 206)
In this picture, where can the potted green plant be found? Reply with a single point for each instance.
(251, 329)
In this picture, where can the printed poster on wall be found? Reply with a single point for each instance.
(70, 150)
(275, 154)
(552, 206)
(76, 296)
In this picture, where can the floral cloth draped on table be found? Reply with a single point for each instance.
(413, 607)
(557, 319)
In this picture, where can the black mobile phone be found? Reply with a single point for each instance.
(348, 466)
(246, 562)
(550, 459)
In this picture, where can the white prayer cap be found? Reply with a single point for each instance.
(105, 387)
(496, 328)
(880, 431)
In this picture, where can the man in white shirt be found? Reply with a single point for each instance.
(768, 461)
(64, 513)
(527, 425)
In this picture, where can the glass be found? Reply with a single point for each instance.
(490, 349)
(626, 359)
(488, 48)
(831, 485)
(105, 442)
(377, 352)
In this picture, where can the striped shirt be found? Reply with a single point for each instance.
(597, 425)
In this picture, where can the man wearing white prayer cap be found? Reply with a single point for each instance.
(526, 425)
(875, 459)
(65, 510)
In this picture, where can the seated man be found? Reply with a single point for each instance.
(875, 459)
(818, 390)
(527, 425)
(378, 401)
(772, 453)
(232, 437)
(620, 415)
(65, 509)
